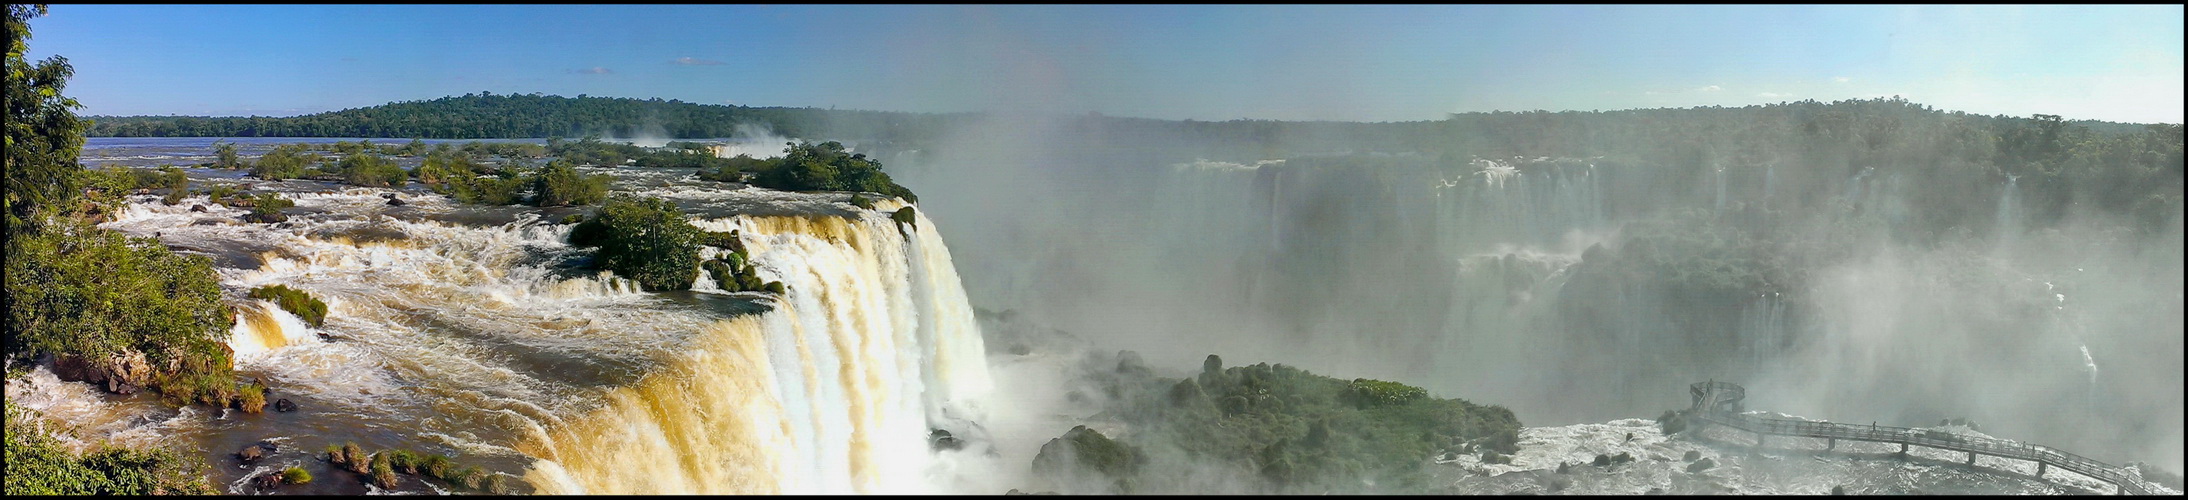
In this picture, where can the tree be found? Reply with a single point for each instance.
(44, 135)
(644, 239)
(227, 153)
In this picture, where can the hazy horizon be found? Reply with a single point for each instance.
(1206, 63)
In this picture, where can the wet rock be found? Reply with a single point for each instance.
(252, 453)
(1700, 465)
(1691, 455)
(284, 405)
(197, 208)
(396, 202)
(265, 218)
(122, 374)
(268, 481)
(942, 440)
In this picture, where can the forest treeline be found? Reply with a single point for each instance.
(490, 116)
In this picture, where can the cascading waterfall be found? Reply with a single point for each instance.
(262, 326)
(484, 342)
(833, 391)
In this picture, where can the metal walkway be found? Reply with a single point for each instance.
(1719, 403)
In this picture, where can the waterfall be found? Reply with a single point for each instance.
(262, 326)
(832, 391)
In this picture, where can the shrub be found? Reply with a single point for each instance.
(644, 239)
(826, 167)
(267, 207)
(496, 484)
(486, 189)
(295, 475)
(469, 476)
(723, 276)
(295, 301)
(251, 398)
(401, 460)
(371, 170)
(1090, 450)
(438, 466)
(561, 185)
(220, 193)
(858, 200)
(98, 296)
(905, 215)
(1370, 393)
(383, 473)
(355, 458)
(39, 464)
(287, 161)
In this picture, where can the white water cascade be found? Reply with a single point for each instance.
(834, 391)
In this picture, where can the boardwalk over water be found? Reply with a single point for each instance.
(1719, 403)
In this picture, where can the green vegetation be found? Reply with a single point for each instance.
(644, 239)
(111, 301)
(295, 301)
(383, 473)
(287, 161)
(226, 152)
(371, 170)
(295, 475)
(488, 115)
(1083, 450)
(560, 185)
(593, 151)
(810, 167)
(39, 464)
(381, 468)
(43, 133)
(1291, 430)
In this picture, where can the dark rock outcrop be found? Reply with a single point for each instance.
(284, 405)
(942, 440)
(251, 454)
(197, 208)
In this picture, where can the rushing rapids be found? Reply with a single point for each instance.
(475, 332)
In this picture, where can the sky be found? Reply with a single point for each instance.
(1302, 62)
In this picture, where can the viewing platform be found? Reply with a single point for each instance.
(1720, 403)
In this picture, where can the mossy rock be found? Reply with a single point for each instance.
(295, 475)
(906, 215)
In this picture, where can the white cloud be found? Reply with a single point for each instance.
(1712, 88)
(596, 70)
(1773, 95)
(694, 61)
(1840, 79)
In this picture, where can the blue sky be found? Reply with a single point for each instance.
(1364, 63)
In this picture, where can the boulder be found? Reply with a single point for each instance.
(251, 454)
(395, 202)
(121, 374)
(265, 218)
(284, 405)
(268, 481)
(942, 440)
(197, 208)
(1700, 465)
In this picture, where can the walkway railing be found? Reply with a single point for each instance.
(1716, 402)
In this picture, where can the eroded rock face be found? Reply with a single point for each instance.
(121, 374)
